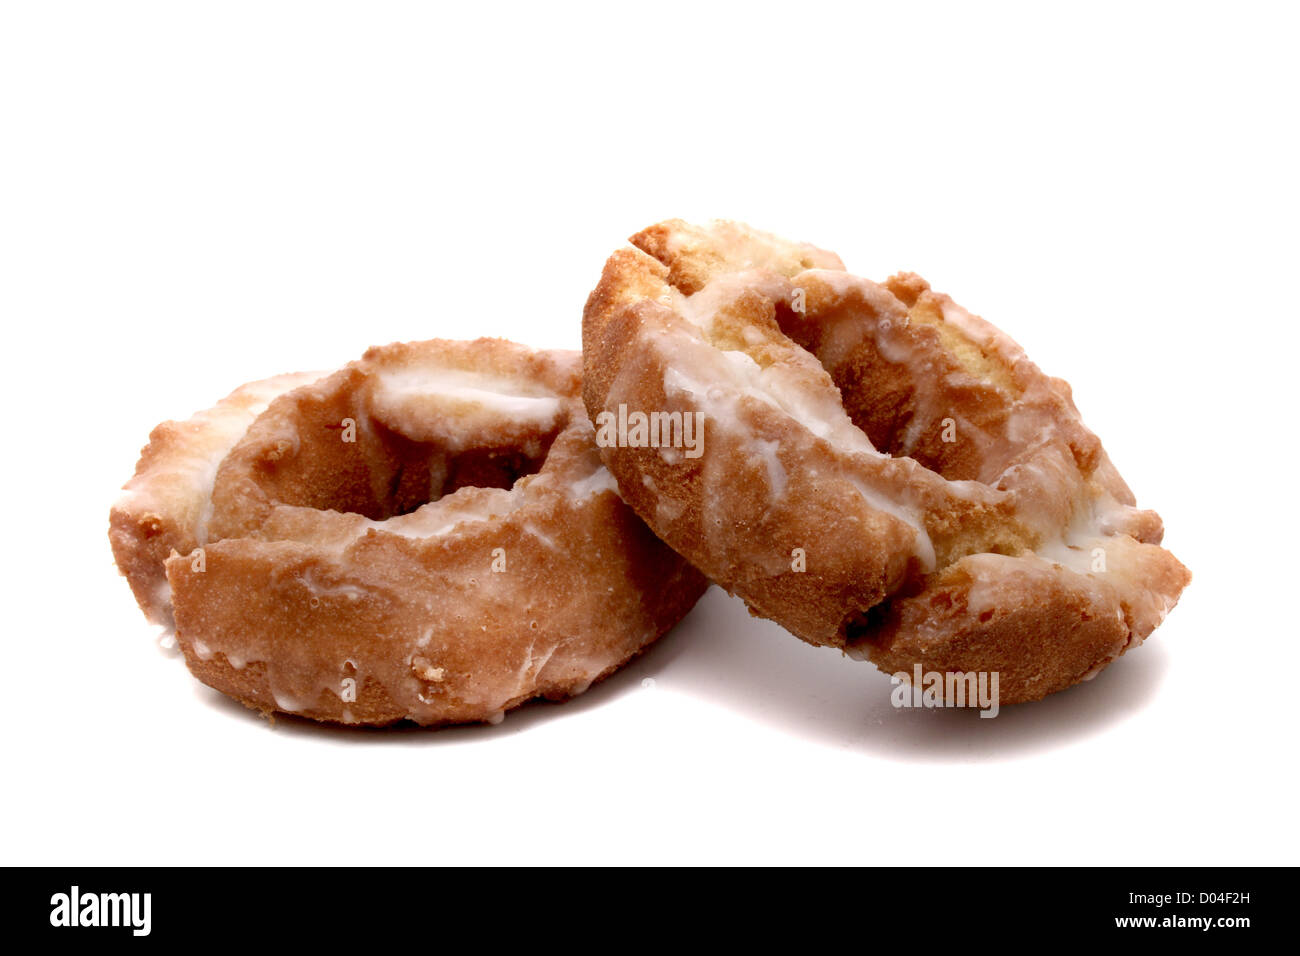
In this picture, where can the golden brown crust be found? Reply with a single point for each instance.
(694, 254)
(163, 507)
(876, 462)
(329, 588)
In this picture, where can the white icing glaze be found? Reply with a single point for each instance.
(766, 451)
(286, 703)
(736, 376)
(506, 397)
(599, 480)
(350, 592)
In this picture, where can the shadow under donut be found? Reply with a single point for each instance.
(755, 668)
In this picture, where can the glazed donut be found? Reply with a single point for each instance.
(879, 471)
(427, 534)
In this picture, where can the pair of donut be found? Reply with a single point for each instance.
(443, 530)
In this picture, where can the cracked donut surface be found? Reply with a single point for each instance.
(879, 470)
(426, 534)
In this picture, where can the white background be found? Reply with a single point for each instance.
(192, 197)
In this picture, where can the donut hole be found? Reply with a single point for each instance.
(368, 468)
(418, 473)
(914, 395)
(879, 396)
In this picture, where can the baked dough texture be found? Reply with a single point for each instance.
(881, 471)
(427, 534)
